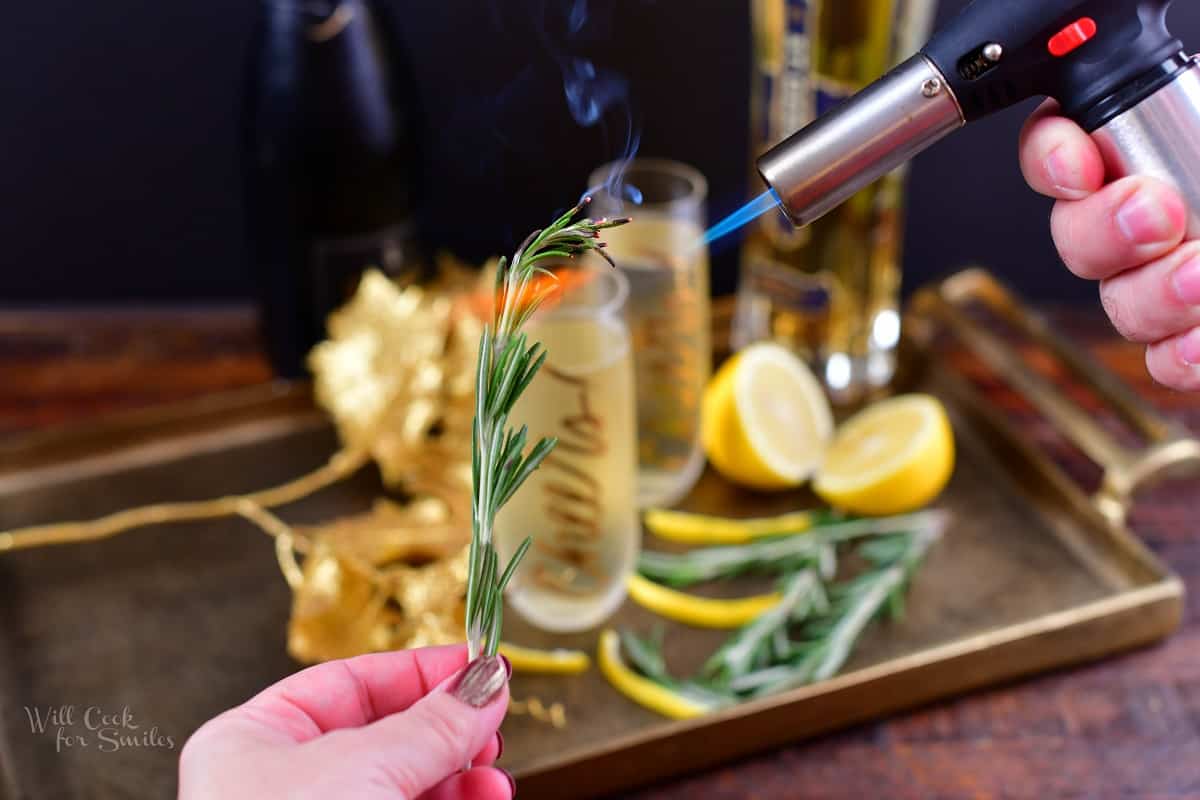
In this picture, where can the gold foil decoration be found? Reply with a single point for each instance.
(394, 577)
(340, 466)
(396, 377)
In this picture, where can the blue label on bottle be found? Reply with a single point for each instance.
(827, 101)
(795, 83)
(830, 94)
(788, 98)
(785, 69)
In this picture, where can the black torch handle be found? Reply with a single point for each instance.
(1098, 58)
(1112, 65)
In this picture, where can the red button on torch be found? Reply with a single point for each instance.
(1072, 37)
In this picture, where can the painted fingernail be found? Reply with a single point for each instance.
(1188, 348)
(512, 782)
(1064, 177)
(1144, 220)
(507, 666)
(499, 744)
(480, 683)
(1186, 281)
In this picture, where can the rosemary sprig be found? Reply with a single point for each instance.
(803, 595)
(830, 639)
(776, 555)
(761, 658)
(645, 655)
(507, 364)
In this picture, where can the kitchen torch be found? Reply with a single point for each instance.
(1111, 64)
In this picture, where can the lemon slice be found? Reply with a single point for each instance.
(689, 528)
(702, 612)
(892, 457)
(641, 690)
(765, 420)
(545, 662)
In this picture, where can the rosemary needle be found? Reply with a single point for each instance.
(803, 594)
(507, 364)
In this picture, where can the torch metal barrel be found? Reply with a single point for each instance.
(1157, 137)
(824, 164)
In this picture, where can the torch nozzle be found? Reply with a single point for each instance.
(880, 128)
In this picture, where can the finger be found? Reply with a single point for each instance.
(480, 783)
(352, 692)
(1156, 301)
(490, 752)
(1058, 159)
(418, 748)
(1124, 225)
(1175, 362)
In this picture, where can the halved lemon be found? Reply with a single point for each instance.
(765, 421)
(892, 457)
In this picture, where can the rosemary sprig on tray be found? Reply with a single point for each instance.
(804, 595)
(507, 364)
(777, 555)
(827, 640)
(647, 658)
(827, 619)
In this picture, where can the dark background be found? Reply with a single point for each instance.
(119, 141)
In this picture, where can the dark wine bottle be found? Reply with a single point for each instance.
(328, 166)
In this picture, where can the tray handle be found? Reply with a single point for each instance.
(1168, 447)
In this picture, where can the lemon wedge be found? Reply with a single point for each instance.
(892, 457)
(765, 421)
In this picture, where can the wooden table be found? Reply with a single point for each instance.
(1129, 727)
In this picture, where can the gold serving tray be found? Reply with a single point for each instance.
(181, 622)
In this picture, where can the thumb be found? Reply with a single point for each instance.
(436, 736)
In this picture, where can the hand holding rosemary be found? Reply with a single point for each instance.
(507, 364)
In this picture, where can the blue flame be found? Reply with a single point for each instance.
(743, 216)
